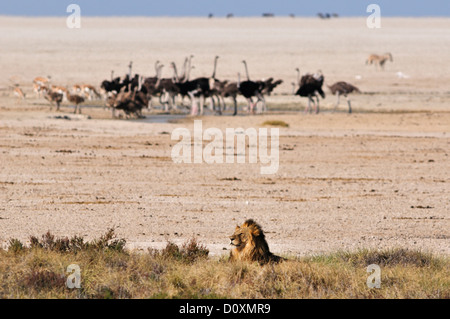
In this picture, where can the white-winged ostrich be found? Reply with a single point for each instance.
(250, 89)
(343, 88)
(311, 86)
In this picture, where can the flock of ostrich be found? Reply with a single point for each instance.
(133, 93)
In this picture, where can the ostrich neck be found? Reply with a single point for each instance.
(175, 73)
(189, 69)
(215, 68)
(183, 73)
(246, 71)
(158, 75)
(157, 68)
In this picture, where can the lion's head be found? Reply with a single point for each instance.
(250, 244)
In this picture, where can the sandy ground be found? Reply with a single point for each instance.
(376, 178)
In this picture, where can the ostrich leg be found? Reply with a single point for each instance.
(317, 106)
(222, 103)
(251, 105)
(235, 106)
(219, 105)
(337, 103)
(349, 106)
(264, 106)
(194, 106)
(308, 107)
(202, 104)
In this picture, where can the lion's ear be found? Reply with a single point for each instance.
(255, 231)
(237, 227)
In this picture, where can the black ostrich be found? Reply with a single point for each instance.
(202, 88)
(250, 89)
(311, 86)
(270, 85)
(343, 88)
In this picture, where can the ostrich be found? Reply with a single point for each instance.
(379, 60)
(167, 87)
(53, 97)
(76, 100)
(310, 86)
(343, 88)
(250, 89)
(270, 85)
(133, 101)
(111, 86)
(231, 90)
(151, 84)
(203, 90)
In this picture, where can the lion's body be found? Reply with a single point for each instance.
(250, 244)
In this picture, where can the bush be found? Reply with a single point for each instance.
(15, 245)
(48, 241)
(189, 252)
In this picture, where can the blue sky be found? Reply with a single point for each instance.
(413, 8)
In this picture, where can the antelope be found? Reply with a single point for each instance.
(38, 89)
(19, 94)
(89, 91)
(379, 60)
(42, 81)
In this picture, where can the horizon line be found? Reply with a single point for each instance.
(218, 16)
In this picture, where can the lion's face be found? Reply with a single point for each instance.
(240, 238)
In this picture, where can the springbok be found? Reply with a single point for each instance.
(39, 89)
(379, 60)
(41, 81)
(19, 94)
(89, 92)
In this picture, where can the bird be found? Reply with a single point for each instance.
(250, 89)
(53, 97)
(343, 88)
(311, 86)
(75, 99)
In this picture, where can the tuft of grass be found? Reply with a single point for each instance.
(188, 253)
(275, 123)
(389, 257)
(15, 246)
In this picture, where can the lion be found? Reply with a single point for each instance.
(250, 244)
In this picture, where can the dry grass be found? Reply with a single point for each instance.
(275, 123)
(110, 271)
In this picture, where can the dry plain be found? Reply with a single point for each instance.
(376, 178)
